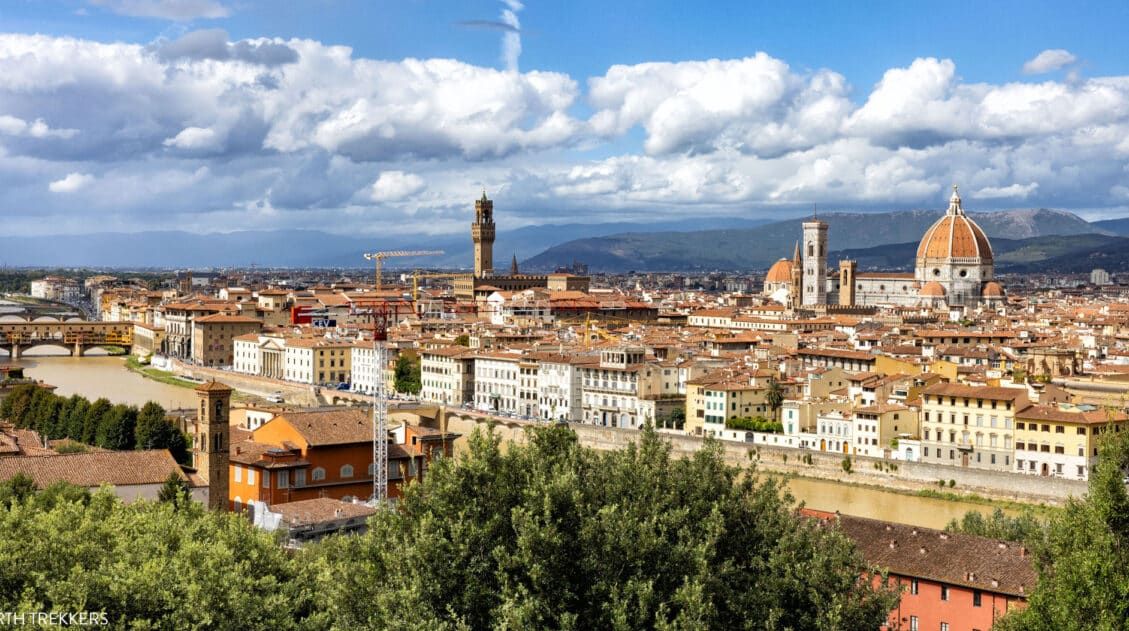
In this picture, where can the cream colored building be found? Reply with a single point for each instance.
(317, 360)
(1062, 441)
(970, 426)
(447, 375)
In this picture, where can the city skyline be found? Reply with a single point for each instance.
(202, 115)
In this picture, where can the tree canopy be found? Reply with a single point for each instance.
(100, 423)
(546, 534)
(1082, 557)
(554, 535)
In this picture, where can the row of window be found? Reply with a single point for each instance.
(317, 474)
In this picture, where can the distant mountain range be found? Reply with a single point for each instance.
(759, 247)
(1024, 240)
(304, 248)
(1065, 253)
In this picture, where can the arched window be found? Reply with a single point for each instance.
(237, 504)
(347, 471)
(811, 249)
(317, 474)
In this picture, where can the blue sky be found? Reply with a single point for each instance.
(233, 114)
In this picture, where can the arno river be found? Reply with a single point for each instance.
(95, 377)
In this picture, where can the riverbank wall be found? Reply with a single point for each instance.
(903, 476)
(293, 393)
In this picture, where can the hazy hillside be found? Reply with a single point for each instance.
(1114, 226)
(302, 248)
(1077, 252)
(759, 247)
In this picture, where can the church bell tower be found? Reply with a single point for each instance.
(211, 444)
(482, 233)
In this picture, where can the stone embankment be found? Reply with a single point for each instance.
(292, 393)
(889, 474)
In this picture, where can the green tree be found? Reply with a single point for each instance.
(76, 418)
(463, 340)
(175, 490)
(148, 565)
(774, 397)
(1025, 526)
(155, 431)
(549, 534)
(118, 428)
(16, 489)
(409, 376)
(1082, 557)
(92, 420)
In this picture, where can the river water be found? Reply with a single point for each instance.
(95, 377)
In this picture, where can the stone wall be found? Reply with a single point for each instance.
(907, 476)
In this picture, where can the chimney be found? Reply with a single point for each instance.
(893, 543)
(338, 512)
(1023, 552)
(922, 550)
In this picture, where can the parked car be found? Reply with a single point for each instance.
(275, 397)
(342, 386)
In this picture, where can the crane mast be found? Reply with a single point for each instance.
(380, 316)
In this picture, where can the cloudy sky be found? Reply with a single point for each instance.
(391, 116)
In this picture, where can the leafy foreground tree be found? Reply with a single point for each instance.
(553, 535)
(147, 565)
(1083, 556)
(1025, 526)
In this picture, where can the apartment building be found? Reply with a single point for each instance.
(496, 382)
(447, 375)
(970, 426)
(617, 391)
(559, 387)
(317, 360)
(213, 337)
(1062, 440)
(875, 427)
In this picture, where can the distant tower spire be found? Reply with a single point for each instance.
(796, 253)
(513, 266)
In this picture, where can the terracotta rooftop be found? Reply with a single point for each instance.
(212, 386)
(119, 468)
(975, 392)
(991, 565)
(319, 510)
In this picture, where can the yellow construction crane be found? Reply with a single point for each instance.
(418, 275)
(591, 326)
(379, 257)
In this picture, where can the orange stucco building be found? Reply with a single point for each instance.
(325, 453)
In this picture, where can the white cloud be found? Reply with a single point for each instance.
(1000, 192)
(207, 128)
(13, 126)
(176, 10)
(756, 104)
(71, 183)
(193, 138)
(1049, 60)
(394, 186)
